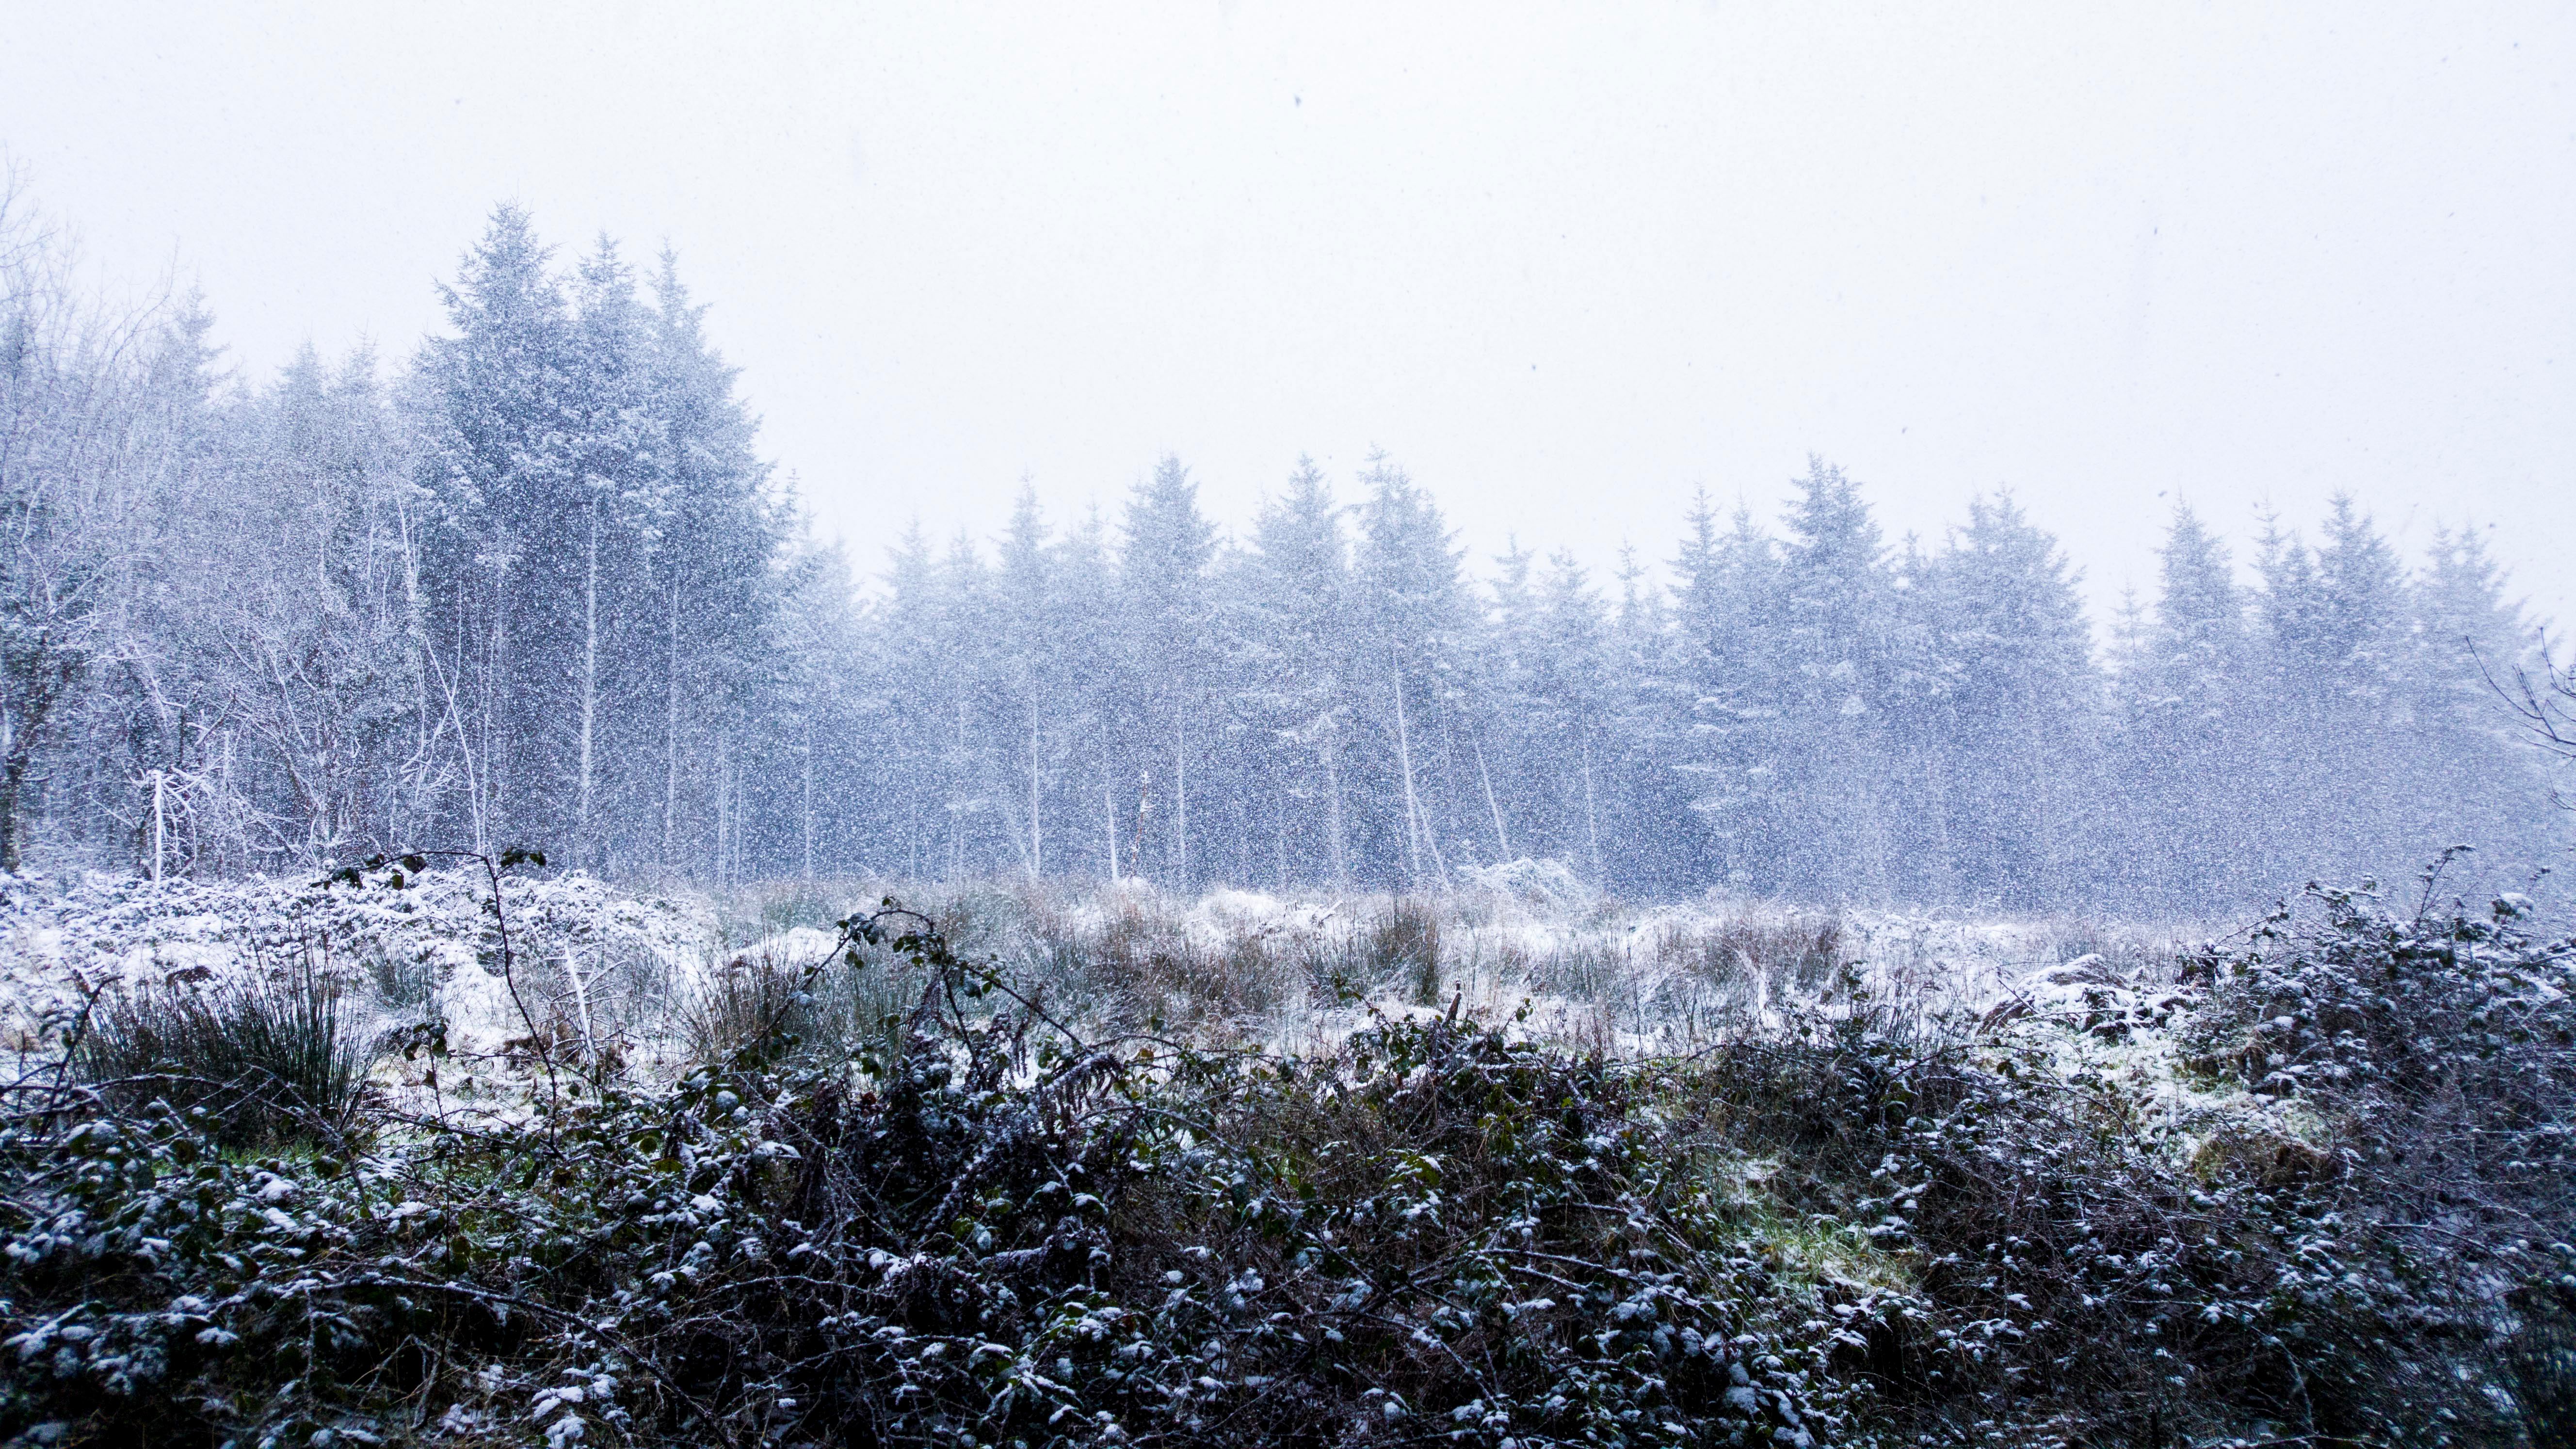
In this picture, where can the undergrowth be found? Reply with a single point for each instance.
(964, 1219)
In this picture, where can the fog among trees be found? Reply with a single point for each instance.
(531, 581)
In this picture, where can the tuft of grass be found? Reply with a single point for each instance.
(1404, 945)
(1584, 969)
(1154, 964)
(406, 982)
(272, 1057)
(759, 1005)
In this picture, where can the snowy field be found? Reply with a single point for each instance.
(615, 969)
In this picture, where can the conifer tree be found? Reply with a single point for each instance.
(1411, 613)
(1292, 670)
(2184, 782)
(495, 395)
(1839, 687)
(1736, 725)
(2470, 643)
(1032, 676)
(712, 576)
(1169, 654)
(2021, 708)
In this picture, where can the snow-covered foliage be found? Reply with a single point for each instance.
(1246, 964)
(432, 947)
(1081, 1182)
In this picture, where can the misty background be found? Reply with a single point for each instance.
(2050, 459)
(1567, 265)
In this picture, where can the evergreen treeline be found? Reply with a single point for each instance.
(541, 589)
(1334, 699)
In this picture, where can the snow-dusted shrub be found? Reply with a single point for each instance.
(2422, 1070)
(1545, 885)
(1004, 1233)
(1837, 1222)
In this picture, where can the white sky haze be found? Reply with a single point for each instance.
(1564, 264)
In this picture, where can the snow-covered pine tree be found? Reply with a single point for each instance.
(1410, 615)
(2182, 783)
(1732, 663)
(1032, 670)
(495, 417)
(1835, 615)
(1291, 671)
(2022, 710)
(1168, 655)
(714, 584)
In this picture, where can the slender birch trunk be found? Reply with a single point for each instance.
(957, 817)
(496, 764)
(1333, 810)
(1415, 826)
(582, 847)
(1591, 816)
(1502, 842)
(1144, 812)
(724, 787)
(671, 735)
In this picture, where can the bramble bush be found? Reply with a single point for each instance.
(984, 1226)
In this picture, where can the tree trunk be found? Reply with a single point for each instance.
(671, 736)
(1180, 806)
(724, 782)
(1144, 812)
(956, 792)
(46, 683)
(1417, 828)
(1109, 822)
(1591, 816)
(583, 850)
(496, 707)
(1502, 842)
(1333, 808)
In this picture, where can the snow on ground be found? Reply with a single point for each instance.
(434, 941)
(1525, 940)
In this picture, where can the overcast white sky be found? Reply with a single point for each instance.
(1564, 264)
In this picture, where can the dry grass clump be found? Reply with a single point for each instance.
(762, 1003)
(1793, 952)
(1404, 946)
(748, 1000)
(1141, 962)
